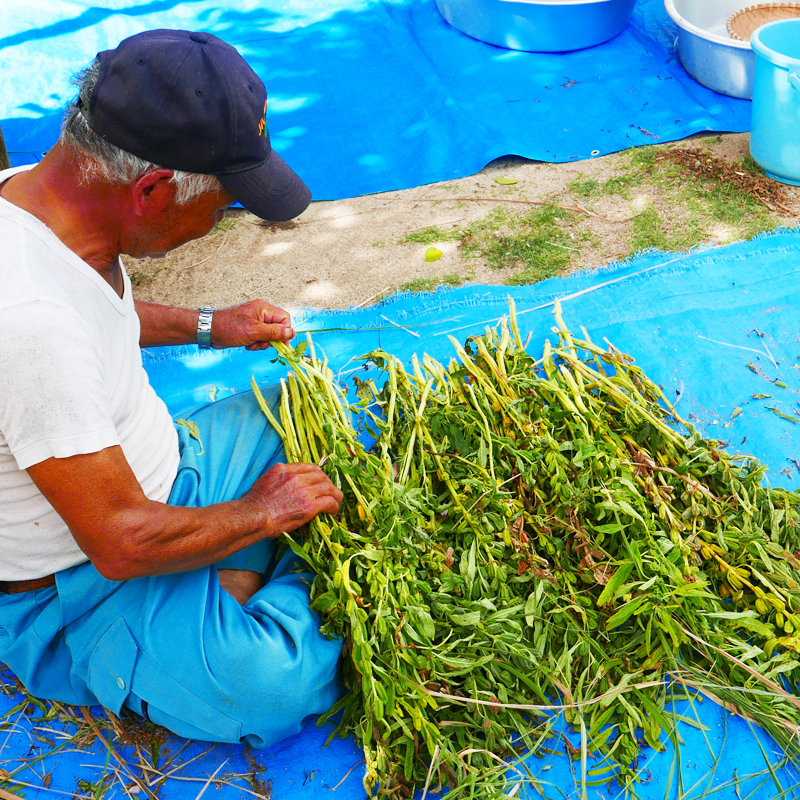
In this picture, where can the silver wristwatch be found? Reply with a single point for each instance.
(204, 327)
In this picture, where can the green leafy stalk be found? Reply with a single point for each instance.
(529, 536)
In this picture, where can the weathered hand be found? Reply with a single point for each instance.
(254, 325)
(292, 494)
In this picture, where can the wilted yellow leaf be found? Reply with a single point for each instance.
(194, 431)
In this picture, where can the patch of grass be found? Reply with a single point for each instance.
(738, 210)
(731, 195)
(429, 284)
(741, 216)
(642, 159)
(431, 235)
(535, 244)
(749, 164)
(620, 184)
(648, 230)
(697, 185)
(379, 244)
(635, 169)
(692, 198)
(138, 278)
(418, 285)
(583, 187)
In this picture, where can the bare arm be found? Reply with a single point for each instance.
(126, 535)
(253, 325)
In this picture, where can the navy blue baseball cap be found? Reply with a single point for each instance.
(188, 101)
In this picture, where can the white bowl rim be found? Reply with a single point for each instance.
(681, 22)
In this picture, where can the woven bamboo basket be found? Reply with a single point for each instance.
(742, 23)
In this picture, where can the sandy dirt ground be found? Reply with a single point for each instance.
(346, 253)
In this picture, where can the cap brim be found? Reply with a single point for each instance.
(271, 190)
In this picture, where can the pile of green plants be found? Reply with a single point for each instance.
(531, 535)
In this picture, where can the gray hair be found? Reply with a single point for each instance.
(102, 160)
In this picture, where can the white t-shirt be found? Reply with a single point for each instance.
(71, 381)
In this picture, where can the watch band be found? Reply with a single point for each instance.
(204, 327)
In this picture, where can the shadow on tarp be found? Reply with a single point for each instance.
(93, 15)
(376, 95)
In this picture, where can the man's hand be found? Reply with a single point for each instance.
(292, 494)
(252, 325)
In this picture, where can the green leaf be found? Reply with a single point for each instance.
(780, 414)
(732, 615)
(463, 666)
(748, 620)
(325, 602)
(628, 509)
(470, 619)
(506, 613)
(695, 589)
(601, 719)
(483, 453)
(622, 615)
(617, 579)
(608, 529)
(423, 620)
(467, 565)
(532, 603)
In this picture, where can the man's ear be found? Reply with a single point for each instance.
(153, 192)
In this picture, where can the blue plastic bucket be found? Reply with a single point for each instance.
(775, 129)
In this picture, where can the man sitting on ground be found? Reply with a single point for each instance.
(123, 549)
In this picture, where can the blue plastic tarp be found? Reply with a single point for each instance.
(376, 95)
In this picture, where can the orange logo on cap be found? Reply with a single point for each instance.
(263, 124)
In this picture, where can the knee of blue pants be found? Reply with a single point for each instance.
(308, 682)
(265, 667)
